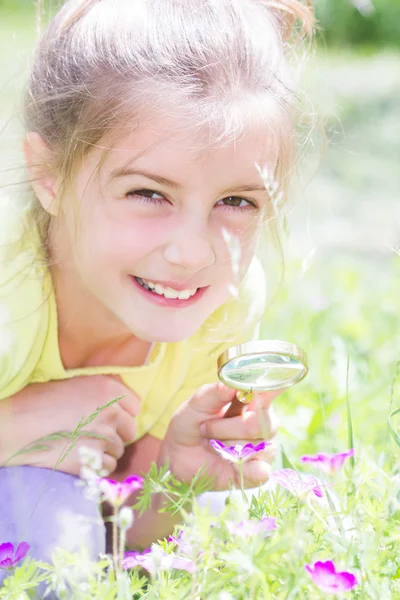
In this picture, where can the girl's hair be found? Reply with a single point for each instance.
(101, 64)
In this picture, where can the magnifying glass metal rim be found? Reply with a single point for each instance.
(262, 347)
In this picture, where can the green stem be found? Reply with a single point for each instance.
(240, 465)
(316, 513)
(115, 541)
(122, 538)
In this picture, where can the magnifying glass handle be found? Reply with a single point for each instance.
(235, 409)
(239, 403)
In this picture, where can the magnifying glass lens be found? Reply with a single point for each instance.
(262, 372)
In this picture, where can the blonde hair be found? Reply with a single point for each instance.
(101, 63)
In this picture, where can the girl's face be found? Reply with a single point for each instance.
(145, 237)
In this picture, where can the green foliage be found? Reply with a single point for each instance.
(348, 22)
(358, 528)
(179, 495)
(342, 22)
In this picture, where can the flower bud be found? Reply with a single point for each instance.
(125, 518)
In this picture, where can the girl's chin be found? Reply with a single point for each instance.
(168, 330)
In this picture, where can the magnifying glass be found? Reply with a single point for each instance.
(260, 366)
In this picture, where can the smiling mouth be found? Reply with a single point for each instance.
(167, 292)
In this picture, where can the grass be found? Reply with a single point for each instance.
(340, 302)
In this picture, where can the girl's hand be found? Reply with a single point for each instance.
(42, 409)
(187, 448)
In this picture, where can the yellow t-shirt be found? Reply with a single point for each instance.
(29, 349)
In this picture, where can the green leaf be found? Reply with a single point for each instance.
(392, 429)
(286, 464)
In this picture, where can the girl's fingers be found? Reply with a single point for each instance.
(210, 399)
(109, 463)
(249, 426)
(126, 426)
(255, 473)
(263, 400)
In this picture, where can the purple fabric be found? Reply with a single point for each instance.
(48, 510)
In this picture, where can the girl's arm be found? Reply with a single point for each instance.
(42, 409)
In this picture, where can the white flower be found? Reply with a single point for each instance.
(90, 458)
(125, 518)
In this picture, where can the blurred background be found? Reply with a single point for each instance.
(340, 299)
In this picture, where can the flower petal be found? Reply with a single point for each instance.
(328, 462)
(249, 449)
(110, 489)
(21, 551)
(267, 524)
(6, 551)
(327, 579)
(185, 564)
(346, 580)
(327, 566)
(228, 453)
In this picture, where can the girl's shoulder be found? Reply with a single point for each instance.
(23, 305)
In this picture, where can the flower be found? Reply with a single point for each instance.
(250, 528)
(330, 463)
(289, 479)
(125, 518)
(117, 492)
(91, 458)
(330, 581)
(156, 559)
(181, 541)
(237, 453)
(9, 557)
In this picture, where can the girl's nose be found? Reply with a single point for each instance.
(191, 248)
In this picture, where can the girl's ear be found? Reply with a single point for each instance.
(43, 179)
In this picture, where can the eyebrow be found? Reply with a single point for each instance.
(126, 172)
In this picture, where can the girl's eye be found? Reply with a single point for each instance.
(236, 202)
(147, 196)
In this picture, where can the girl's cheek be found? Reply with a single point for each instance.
(242, 231)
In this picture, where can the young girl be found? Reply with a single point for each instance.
(134, 266)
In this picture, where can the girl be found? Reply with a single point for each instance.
(134, 265)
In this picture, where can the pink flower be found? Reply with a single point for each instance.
(138, 559)
(181, 541)
(238, 453)
(250, 528)
(156, 560)
(299, 486)
(117, 492)
(330, 581)
(8, 558)
(330, 463)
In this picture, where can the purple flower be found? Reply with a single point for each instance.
(9, 557)
(181, 541)
(155, 559)
(330, 463)
(238, 453)
(330, 581)
(299, 486)
(138, 559)
(117, 492)
(250, 528)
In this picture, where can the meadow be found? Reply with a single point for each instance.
(339, 300)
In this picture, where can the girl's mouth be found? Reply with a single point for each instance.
(167, 296)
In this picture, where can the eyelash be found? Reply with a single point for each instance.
(147, 200)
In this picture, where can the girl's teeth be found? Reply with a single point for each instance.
(166, 291)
